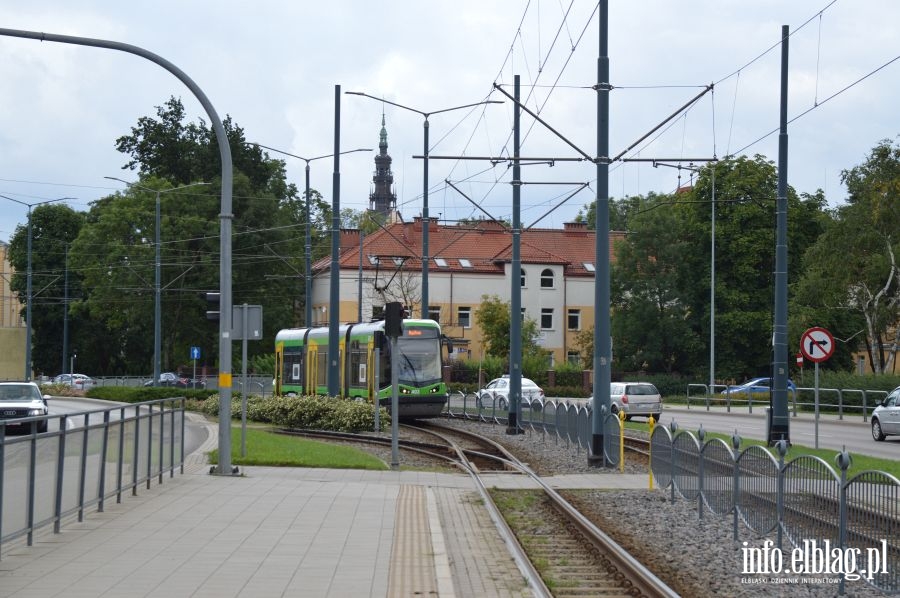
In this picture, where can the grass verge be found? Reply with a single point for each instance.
(279, 450)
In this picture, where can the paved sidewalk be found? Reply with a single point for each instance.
(283, 532)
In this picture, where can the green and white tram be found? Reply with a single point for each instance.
(301, 365)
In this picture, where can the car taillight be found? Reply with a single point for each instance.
(624, 398)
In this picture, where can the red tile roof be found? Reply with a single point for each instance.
(486, 245)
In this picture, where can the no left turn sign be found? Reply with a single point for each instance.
(817, 344)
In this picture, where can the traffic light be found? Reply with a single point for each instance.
(213, 300)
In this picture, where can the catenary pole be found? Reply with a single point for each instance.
(780, 422)
(333, 380)
(602, 340)
(515, 277)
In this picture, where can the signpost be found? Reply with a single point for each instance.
(195, 355)
(816, 345)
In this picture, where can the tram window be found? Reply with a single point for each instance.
(322, 373)
(358, 366)
(295, 371)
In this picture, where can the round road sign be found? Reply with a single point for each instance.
(817, 344)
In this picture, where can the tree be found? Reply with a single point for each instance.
(852, 268)
(115, 252)
(54, 227)
(493, 318)
(619, 211)
(651, 324)
(745, 192)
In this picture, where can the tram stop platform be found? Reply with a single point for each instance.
(283, 532)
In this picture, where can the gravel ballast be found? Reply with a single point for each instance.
(695, 557)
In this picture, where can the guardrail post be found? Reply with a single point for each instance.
(2, 461)
(150, 444)
(162, 444)
(864, 406)
(701, 436)
(32, 465)
(104, 450)
(736, 445)
(60, 468)
(120, 466)
(622, 441)
(750, 401)
(82, 477)
(779, 493)
(843, 460)
(840, 403)
(135, 461)
(673, 428)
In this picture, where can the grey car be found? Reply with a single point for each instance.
(22, 399)
(496, 394)
(886, 416)
(635, 398)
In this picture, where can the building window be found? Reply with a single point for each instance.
(523, 277)
(547, 318)
(573, 358)
(377, 312)
(588, 266)
(440, 262)
(574, 319)
(547, 279)
(464, 317)
(465, 263)
(434, 313)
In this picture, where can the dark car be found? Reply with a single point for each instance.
(173, 379)
(19, 400)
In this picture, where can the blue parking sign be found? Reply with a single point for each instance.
(195, 352)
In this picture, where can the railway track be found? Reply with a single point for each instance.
(559, 550)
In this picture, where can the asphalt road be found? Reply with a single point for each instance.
(193, 436)
(850, 433)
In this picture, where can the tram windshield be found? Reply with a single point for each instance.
(418, 360)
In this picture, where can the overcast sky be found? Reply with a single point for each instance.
(273, 67)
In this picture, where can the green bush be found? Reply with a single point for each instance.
(309, 412)
(138, 394)
(568, 374)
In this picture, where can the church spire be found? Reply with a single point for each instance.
(382, 199)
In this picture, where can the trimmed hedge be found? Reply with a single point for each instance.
(308, 412)
(138, 394)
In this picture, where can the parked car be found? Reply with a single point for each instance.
(886, 416)
(76, 381)
(635, 398)
(755, 386)
(22, 399)
(496, 394)
(173, 379)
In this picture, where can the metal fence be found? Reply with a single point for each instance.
(856, 520)
(83, 460)
(563, 421)
(832, 400)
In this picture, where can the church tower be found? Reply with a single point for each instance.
(382, 199)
